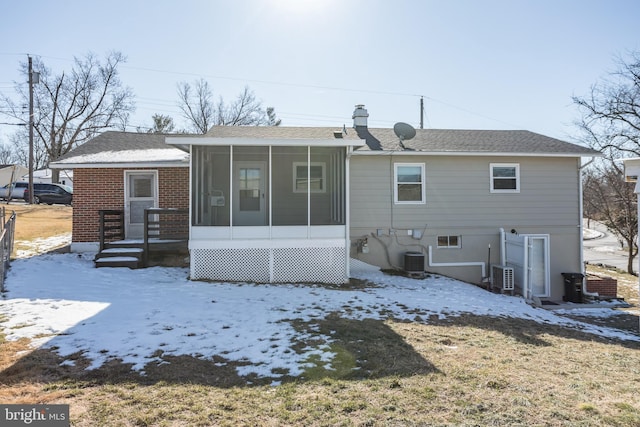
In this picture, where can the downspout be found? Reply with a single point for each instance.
(581, 230)
(347, 217)
(503, 248)
(481, 264)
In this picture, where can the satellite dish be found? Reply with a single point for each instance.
(404, 131)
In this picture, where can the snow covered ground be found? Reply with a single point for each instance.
(38, 246)
(61, 301)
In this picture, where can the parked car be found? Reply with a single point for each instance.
(50, 194)
(17, 190)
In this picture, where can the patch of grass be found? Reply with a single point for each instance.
(365, 348)
(341, 365)
(38, 222)
(467, 370)
(462, 371)
(587, 407)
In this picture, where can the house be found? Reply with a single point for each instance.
(46, 176)
(285, 204)
(11, 173)
(123, 171)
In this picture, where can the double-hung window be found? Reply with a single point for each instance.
(505, 177)
(409, 183)
(313, 179)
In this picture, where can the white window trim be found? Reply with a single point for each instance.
(422, 200)
(295, 177)
(504, 165)
(449, 245)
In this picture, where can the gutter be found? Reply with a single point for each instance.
(466, 153)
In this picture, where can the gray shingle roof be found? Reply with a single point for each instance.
(279, 132)
(426, 140)
(123, 147)
(471, 141)
(130, 147)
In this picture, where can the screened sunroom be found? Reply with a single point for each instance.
(269, 211)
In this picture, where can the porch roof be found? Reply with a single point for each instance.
(271, 135)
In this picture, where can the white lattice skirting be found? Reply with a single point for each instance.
(271, 265)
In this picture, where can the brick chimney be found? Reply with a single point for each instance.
(360, 116)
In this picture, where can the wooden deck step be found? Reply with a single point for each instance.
(120, 257)
(118, 252)
(118, 261)
(131, 243)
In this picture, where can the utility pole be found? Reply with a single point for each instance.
(30, 187)
(31, 82)
(422, 112)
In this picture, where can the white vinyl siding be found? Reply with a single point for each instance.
(505, 177)
(409, 185)
(459, 204)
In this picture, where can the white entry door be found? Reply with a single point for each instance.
(538, 266)
(140, 192)
(249, 184)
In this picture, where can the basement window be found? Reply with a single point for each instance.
(449, 242)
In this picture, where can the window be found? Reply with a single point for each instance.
(449, 242)
(409, 183)
(316, 177)
(505, 177)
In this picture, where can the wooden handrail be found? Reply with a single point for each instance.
(111, 225)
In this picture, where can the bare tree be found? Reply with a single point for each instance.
(197, 106)
(610, 123)
(612, 201)
(21, 150)
(611, 112)
(73, 106)
(7, 155)
(245, 110)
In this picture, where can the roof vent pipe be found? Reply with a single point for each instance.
(360, 116)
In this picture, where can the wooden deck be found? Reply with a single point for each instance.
(165, 240)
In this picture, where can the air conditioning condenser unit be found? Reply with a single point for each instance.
(502, 278)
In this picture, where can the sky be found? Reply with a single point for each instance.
(479, 64)
(61, 302)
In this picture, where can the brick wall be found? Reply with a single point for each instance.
(604, 286)
(103, 188)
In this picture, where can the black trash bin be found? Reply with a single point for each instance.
(573, 287)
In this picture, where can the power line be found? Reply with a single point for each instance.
(166, 103)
